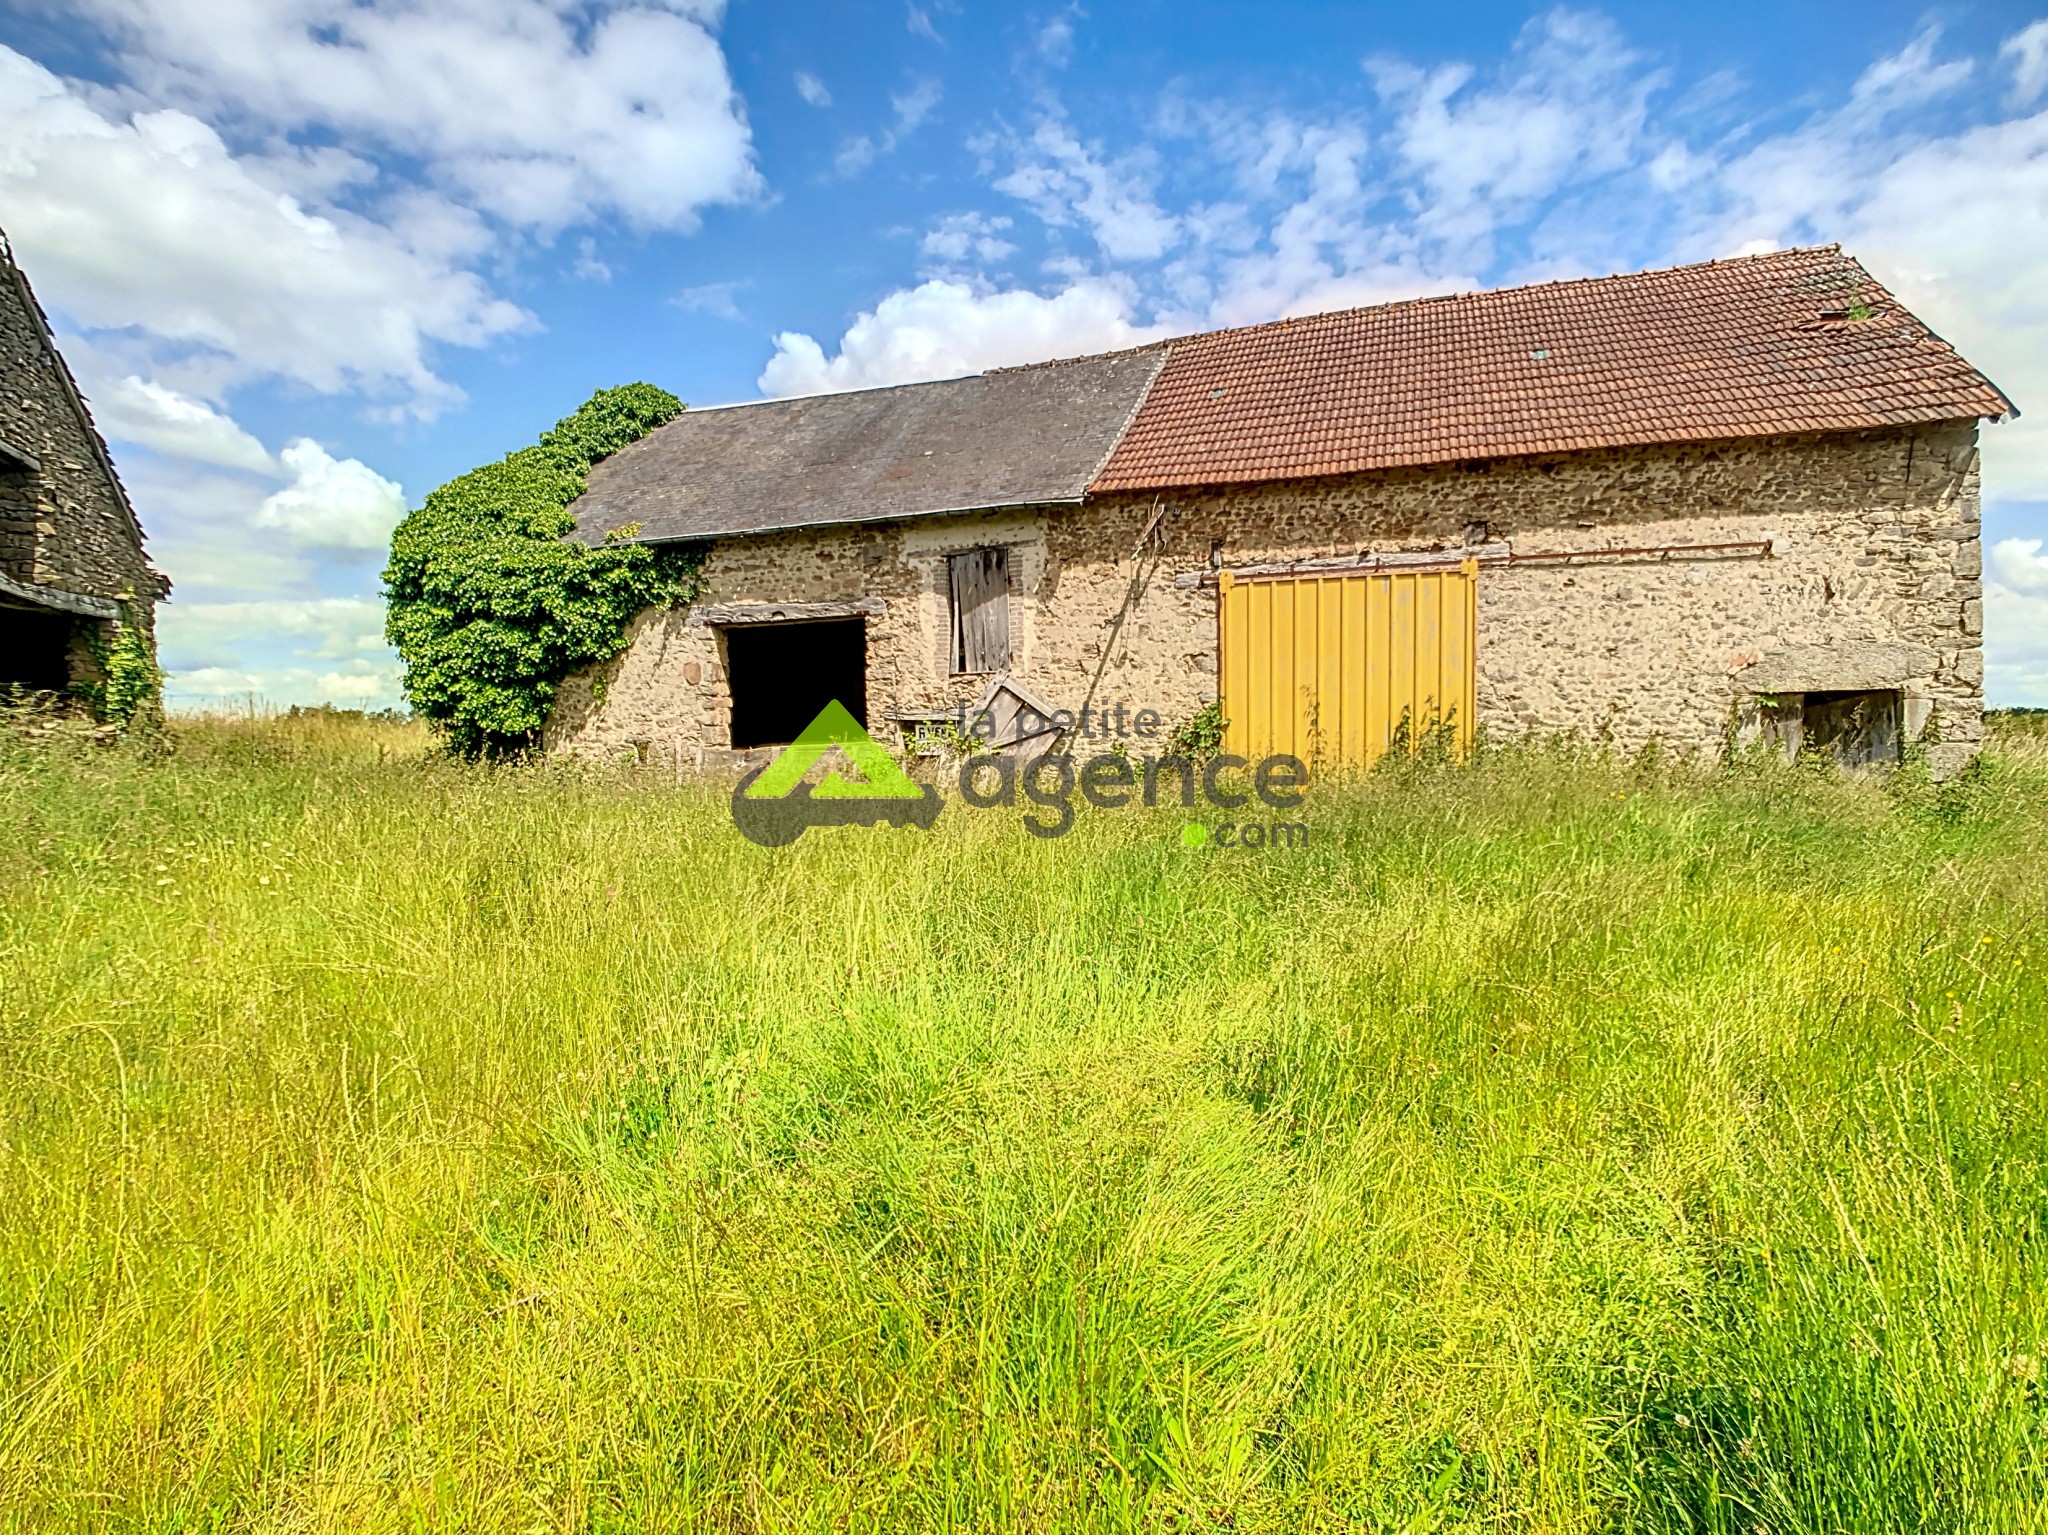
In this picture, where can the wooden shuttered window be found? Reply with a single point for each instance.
(981, 610)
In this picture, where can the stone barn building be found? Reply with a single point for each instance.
(72, 564)
(1686, 506)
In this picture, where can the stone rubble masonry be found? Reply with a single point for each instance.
(68, 524)
(1873, 580)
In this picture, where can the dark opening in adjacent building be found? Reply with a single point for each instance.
(35, 647)
(783, 674)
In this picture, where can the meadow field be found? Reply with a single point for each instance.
(1555, 1143)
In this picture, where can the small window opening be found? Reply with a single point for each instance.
(782, 675)
(1856, 729)
(981, 610)
(35, 650)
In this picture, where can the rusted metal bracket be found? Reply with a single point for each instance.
(1453, 559)
(1760, 547)
(1351, 564)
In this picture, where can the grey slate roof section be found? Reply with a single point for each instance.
(1024, 437)
(15, 594)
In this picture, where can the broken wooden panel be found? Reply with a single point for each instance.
(1010, 719)
(981, 610)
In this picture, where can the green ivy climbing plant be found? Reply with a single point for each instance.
(491, 606)
(129, 688)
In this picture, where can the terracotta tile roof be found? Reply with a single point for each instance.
(1796, 341)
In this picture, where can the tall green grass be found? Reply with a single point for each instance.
(1555, 1144)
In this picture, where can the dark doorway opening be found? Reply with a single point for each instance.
(35, 649)
(783, 674)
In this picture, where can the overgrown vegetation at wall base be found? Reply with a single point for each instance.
(1554, 1145)
(129, 688)
(491, 606)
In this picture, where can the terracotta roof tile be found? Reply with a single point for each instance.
(1796, 341)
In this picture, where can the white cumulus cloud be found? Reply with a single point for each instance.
(277, 650)
(210, 633)
(2019, 565)
(1571, 107)
(358, 685)
(322, 195)
(2016, 624)
(943, 329)
(718, 299)
(143, 411)
(1065, 181)
(1955, 222)
(151, 231)
(536, 113)
(856, 154)
(2028, 50)
(332, 503)
(959, 236)
(1570, 157)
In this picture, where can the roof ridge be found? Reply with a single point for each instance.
(1734, 347)
(1459, 296)
(836, 394)
(1473, 295)
(927, 383)
(1060, 362)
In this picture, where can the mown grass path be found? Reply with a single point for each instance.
(1552, 1145)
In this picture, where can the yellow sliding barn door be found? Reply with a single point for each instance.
(1329, 668)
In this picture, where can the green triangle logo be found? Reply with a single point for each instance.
(834, 726)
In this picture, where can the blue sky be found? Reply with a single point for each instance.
(312, 257)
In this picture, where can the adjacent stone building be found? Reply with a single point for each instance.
(1687, 506)
(72, 564)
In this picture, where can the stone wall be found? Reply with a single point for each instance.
(1874, 570)
(64, 524)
